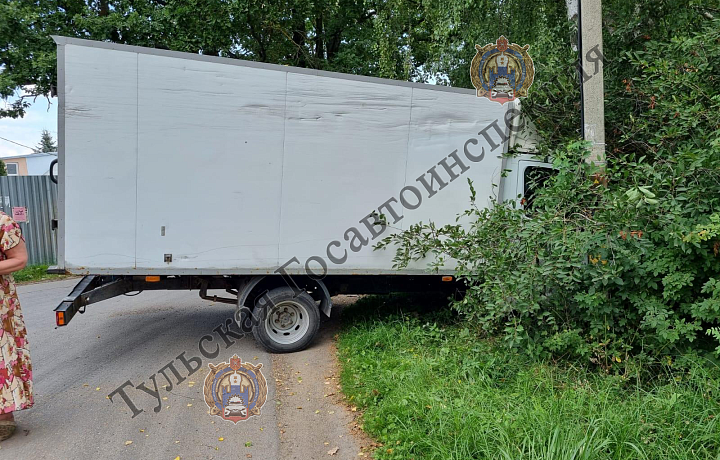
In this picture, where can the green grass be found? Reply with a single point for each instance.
(430, 389)
(34, 273)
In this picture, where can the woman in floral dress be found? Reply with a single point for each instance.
(15, 368)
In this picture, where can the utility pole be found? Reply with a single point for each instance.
(592, 90)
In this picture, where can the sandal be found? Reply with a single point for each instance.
(7, 428)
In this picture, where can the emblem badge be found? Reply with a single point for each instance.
(235, 391)
(501, 71)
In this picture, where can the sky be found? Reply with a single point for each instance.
(27, 130)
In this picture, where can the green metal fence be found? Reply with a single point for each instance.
(38, 195)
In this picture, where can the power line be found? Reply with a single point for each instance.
(17, 143)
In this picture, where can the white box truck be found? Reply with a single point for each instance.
(273, 183)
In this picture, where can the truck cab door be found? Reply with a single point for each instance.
(530, 176)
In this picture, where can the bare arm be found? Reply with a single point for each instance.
(16, 259)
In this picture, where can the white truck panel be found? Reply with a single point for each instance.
(235, 167)
(210, 145)
(442, 123)
(345, 154)
(100, 170)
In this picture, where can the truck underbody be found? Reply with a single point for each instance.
(257, 297)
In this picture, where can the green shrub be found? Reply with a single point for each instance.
(605, 273)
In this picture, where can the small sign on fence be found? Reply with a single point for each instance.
(19, 214)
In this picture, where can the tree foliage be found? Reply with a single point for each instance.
(46, 144)
(401, 39)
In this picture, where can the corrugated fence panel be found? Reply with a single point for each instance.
(39, 195)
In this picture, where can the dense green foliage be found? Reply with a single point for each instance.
(429, 390)
(401, 39)
(631, 269)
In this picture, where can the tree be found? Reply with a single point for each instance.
(3, 170)
(47, 144)
(400, 39)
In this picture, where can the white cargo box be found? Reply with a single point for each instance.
(174, 163)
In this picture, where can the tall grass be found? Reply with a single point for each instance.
(33, 273)
(432, 390)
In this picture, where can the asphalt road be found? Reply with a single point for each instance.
(131, 338)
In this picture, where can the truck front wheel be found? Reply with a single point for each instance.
(286, 321)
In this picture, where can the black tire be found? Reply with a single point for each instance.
(287, 322)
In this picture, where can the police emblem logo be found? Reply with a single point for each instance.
(502, 71)
(235, 391)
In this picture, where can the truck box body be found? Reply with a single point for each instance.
(174, 163)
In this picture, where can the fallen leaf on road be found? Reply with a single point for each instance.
(326, 443)
(189, 405)
(248, 444)
(86, 385)
(299, 407)
(331, 412)
(177, 458)
(127, 443)
(97, 389)
(221, 439)
(333, 451)
(164, 398)
(317, 411)
(354, 409)
(142, 431)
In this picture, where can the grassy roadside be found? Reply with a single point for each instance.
(431, 390)
(35, 273)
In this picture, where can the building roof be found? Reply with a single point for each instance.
(34, 155)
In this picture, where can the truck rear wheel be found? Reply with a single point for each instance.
(286, 322)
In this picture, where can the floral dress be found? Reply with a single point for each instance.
(16, 391)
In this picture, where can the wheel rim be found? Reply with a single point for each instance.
(287, 322)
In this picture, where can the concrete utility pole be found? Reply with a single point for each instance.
(592, 88)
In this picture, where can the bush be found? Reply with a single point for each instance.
(608, 272)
